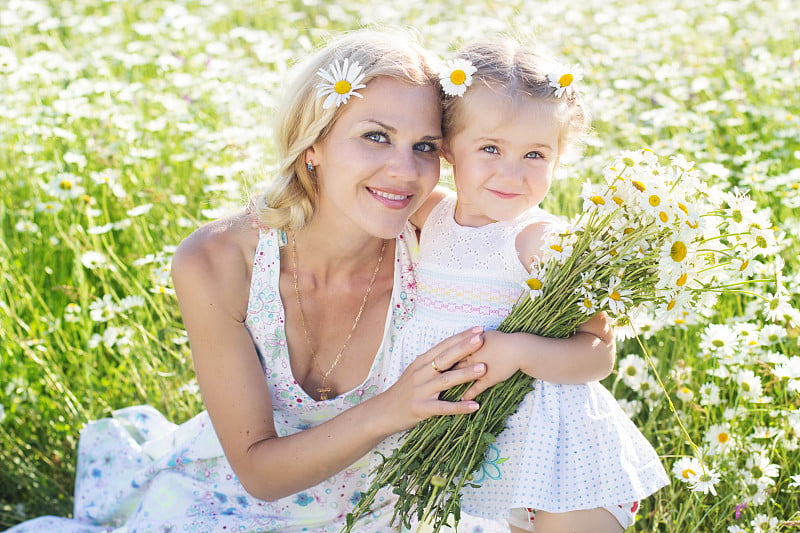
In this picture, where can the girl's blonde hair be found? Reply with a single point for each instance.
(513, 69)
(291, 198)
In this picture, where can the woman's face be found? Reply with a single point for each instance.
(380, 160)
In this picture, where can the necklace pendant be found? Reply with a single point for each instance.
(323, 392)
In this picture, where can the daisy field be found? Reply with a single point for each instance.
(124, 125)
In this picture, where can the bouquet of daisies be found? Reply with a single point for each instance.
(650, 238)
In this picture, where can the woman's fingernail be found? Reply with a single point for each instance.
(475, 340)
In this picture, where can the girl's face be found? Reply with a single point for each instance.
(380, 160)
(504, 155)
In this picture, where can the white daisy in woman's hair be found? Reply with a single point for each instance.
(341, 82)
(456, 77)
(563, 79)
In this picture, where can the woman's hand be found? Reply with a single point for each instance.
(415, 396)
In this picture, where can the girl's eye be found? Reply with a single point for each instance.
(534, 155)
(490, 149)
(426, 147)
(377, 136)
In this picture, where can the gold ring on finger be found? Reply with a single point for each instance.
(433, 364)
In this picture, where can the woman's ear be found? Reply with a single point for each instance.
(309, 155)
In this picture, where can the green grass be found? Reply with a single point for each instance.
(171, 104)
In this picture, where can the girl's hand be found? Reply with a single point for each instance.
(497, 354)
(415, 396)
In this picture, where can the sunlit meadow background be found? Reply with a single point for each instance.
(126, 124)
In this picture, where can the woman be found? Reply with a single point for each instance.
(308, 288)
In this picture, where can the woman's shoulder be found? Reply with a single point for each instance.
(222, 250)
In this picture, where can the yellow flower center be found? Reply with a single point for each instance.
(598, 200)
(615, 296)
(683, 208)
(718, 343)
(458, 77)
(663, 216)
(671, 305)
(556, 247)
(678, 251)
(654, 200)
(628, 162)
(534, 284)
(682, 280)
(744, 266)
(342, 87)
(613, 253)
(639, 185)
(587, 303)
(761, 242)
(617, 200)
(737, 216)
(687, 473)
(627, 231)
(566, 79)
(723, 437)
(65, 185)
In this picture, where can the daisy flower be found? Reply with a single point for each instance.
(704, 482)
(341, 82)
(709, 394)
(563, 79)
(719, 437)
(457, 77)
(795, 484)
(684, 393)
(686, 468)
(632, 370)
(760, 471)
(764, 524)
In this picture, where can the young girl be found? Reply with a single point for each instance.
(569, 453)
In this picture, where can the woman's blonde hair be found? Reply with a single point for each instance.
(513, 69)
(291, 198)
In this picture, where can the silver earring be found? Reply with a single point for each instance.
(310, 167)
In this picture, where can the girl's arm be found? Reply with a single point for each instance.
(588, 355)
(211, 271)
(421, 215)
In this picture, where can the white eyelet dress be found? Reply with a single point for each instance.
(569, 447)
(137, 472)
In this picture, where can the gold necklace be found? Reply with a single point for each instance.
(324, 389)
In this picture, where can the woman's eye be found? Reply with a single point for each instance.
(534, 155)
(426, 147)
(490, 149)
(377, 136)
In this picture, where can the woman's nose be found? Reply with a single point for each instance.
(402, 164)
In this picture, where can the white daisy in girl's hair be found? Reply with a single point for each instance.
(341, 82)
(563, 79)
(456, 77)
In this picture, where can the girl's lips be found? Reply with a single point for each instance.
(394, 200)
(504, 195)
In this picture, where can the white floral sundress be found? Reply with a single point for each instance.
(138, 472)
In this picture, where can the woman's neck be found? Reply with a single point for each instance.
(330, 255)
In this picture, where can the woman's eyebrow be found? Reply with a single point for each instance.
(391, 129)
